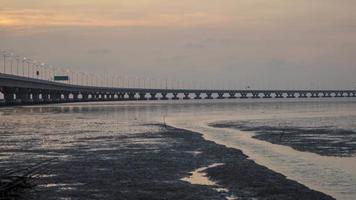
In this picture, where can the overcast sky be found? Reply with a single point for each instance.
(261, 43)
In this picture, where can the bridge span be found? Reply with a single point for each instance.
(19, 90)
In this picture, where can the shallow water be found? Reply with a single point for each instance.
(29, 133)
(332, 175)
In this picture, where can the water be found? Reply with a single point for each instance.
(27, 133)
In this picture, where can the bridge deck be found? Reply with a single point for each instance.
(19, 90)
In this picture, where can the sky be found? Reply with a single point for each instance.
(233, 43)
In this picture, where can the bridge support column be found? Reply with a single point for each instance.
(121, 96)
(209, 95)
(132, 96)
(175, 96)
(104, 97)
(290, 95)
(255, 95)
(197, 95)
(279, 95)
(164, 96)
(66, 97)
(36, 97)
(220, 95)
(109, 97)
(232, 95)
(267, 95)
(186, 96)
(303, 95)
(243, 95)
(46, 98)
(142, 96)
(75, 97)
(314, 95)
(9, 96)
(94, 97)
(339, 94)
(57, 97)
(153, 96)
(85, 97)
(24, 96)
(326, 95)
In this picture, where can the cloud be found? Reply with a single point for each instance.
(51, 18)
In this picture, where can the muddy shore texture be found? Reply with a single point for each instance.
(152, 169)
(322, 141)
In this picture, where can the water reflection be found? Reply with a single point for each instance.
(95, 132)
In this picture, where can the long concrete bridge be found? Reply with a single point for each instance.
(19, 90)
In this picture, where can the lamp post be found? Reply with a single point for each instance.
(11, 61)
(23, 66)
(28, 61)
(17, 65)
(4, 54)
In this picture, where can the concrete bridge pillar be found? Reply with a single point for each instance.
(197, 95)
(94, 97)
(175, 96)
(153, 96)
(186, 96)
(113, 96)
(104, 97)
(46, 98)
(232, 95)
(132, 95)
(85, 97)
(279, 95)
(57, 97)
(9, 96)
(36, 97)
(164, 96)
(255, 95)
(209, 95)
(303, 95)
(121, 96)
(243, 95)
(290, 95)
(326, 94)
(220, 95)
(24, 96)
(267, 95)
(98, 96)
(75, 97)
(339, 94)
(109, 97)
(315, 95)
(65, 97)
(142, 96)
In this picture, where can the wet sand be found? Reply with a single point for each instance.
(324, 141)
(154, 168)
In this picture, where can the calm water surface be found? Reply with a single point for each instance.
(29, 133)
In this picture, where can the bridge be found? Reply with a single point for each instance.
(24, 81)
(20, 90)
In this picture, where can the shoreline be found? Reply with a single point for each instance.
(300, 138)
(151, 165)
(246, 179)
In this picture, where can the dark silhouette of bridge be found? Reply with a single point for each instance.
(20, 90)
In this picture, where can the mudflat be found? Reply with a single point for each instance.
(153, 166)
